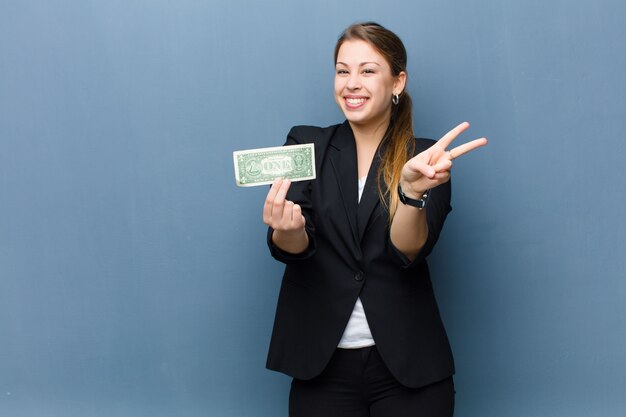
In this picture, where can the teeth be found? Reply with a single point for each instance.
(355, 101)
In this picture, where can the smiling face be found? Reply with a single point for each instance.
(364, 85)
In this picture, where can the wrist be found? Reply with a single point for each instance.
(418, 201)
(290, 240)
(409, 191)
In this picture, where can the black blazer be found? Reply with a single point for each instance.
(350, 255)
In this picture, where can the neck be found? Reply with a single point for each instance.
(370, 134)
(367, 138)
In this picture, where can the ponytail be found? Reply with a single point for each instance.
(399, 147)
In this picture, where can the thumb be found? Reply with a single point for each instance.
(421, 167)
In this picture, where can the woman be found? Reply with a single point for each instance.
(357, 324)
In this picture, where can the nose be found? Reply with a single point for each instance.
(354, 82)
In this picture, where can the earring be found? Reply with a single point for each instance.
(395, 99)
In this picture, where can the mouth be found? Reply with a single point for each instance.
(355, 102)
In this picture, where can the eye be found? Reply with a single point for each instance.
(342, 72)
(368, 71)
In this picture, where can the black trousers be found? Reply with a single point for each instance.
(356, 383)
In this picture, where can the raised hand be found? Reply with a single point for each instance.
(432, 167)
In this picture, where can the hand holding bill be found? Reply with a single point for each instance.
(285, 218)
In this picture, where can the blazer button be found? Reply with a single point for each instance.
(359, 276)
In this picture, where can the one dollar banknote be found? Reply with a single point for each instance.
(262, 166)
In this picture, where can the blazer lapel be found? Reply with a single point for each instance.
(342, 156)
(370, 198)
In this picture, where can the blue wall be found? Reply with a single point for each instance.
(134, 277)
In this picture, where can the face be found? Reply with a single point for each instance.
(364, 84)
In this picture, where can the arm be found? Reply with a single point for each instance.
(432, 219)
(288, 213)
(409, 229)
(414, 232)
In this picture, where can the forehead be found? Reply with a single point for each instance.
(355, 52)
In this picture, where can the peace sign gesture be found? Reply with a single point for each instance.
(431, 168)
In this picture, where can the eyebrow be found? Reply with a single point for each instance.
(361, 64)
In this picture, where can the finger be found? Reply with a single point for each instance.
(298, 218)
(444, 164)
(287, 217)
(282, 191)
(437, 179)
(277, 213)
(423, 168)
(269, 200)
(467, 147)
(271, 194)
(278, 205)
(447, 139)
(442, 177)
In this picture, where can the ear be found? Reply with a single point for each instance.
(399, 83)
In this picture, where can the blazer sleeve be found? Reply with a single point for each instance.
(437, 209)
(299, 193)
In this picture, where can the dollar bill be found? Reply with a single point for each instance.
(262, 166)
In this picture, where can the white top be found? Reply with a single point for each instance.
(357, 333)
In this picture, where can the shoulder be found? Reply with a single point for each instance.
(312, 134)
(421, 144)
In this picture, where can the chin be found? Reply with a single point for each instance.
(354, 117)
(355, 120)
(359, 119)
